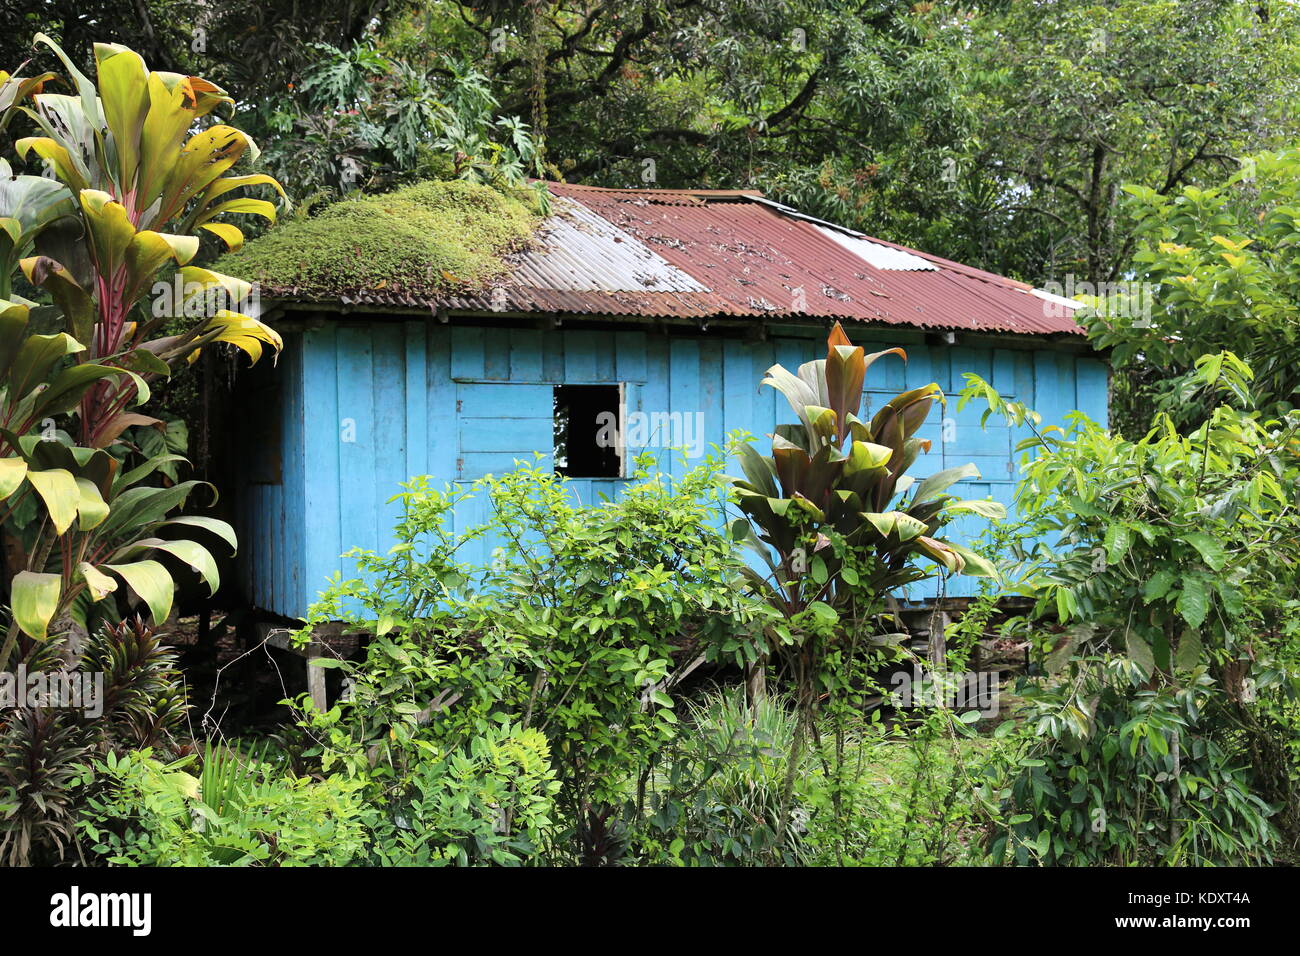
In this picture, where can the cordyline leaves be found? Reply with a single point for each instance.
(832, 470)
(33, 383)
(15, 89)
(151, 582)
(73, 301)
(28, 204)
(87, 499)
(84, 495)
(142, 185)
(128, 135)
(136, 182)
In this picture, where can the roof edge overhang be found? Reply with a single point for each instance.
(295, 312)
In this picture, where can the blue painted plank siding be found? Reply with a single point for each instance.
(367, 404)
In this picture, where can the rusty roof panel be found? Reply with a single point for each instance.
(577, 250)
(703, 253)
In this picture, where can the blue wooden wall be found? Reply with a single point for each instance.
(367, 404)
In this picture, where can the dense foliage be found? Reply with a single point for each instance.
(126, 166)
(1161, 565)
(574, 630)
(44, 751)
(547, 708)
(135, 176)
(994, 133)
(1223, 275)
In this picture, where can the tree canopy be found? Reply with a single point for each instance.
(998, 133)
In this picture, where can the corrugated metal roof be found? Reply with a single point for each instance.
(579, 251)
(702, 253)
(880, 256)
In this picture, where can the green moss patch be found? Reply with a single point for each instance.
(421, 241)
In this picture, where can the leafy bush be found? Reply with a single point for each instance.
(1162, 561)
(489, 802)
(1149, 781)
(43, 750)
(577, 629)
(239, 812)
(909, 800)
(1222, 275)
(363, 118)
(882, 794)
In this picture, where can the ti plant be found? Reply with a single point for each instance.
(124, 152)
(825, 499)
(137, 172)
(44, 750)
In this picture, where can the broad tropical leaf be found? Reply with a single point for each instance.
(150, 582)
(34, 597)
(58, 489)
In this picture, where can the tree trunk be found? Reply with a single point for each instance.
(756, 682)
(1176, 798)
(937, 643)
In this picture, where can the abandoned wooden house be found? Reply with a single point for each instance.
(664, 305)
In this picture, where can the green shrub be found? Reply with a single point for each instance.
(908, 798)
(489, 802)
(1120, 792)
(239, 812)
(1164, 562)
(880, 794)
(578, 629)
(43, 750)
(716, 798)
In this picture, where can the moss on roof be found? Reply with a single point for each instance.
(421, 240)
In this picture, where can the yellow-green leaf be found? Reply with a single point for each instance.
(216, 526)
(223, 186)
(99, 583)
(91, 507)
(109, 229)
(34, 360)
(196, 556)
(199, 279)
(58, 489)
(232, 236)
(35, 597)
(256, 207)
(976, 565)
(124, 95)
(151, 583)
(980, 506)
(57, 156)
(890, 522)
(12, 473)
